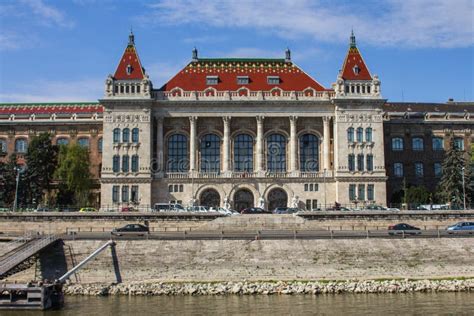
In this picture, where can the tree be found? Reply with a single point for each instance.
(450, 189)
(417, 195)
(8, 173)
(73, 173)
(41, 161)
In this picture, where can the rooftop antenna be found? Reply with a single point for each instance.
(131, 37)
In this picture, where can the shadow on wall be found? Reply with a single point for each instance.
(52, 262)
(118, 276)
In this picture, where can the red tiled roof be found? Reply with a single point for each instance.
(50, 108)
(193, 76)
(354, 60)
(129, 57)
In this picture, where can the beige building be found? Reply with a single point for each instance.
(247, 132)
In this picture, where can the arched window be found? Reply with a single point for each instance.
(417, 143)
(83, 142)
(3, 146)
(243, 153)
(360, 134)
(125, 163)
(116, 135)
(135, 135)
(99, 145)
(125, 135)
(397, 144)
(438, 143)
(309, 153)
(116, 163)
(350, 134)
(210, 153)
(276, 153)
(368, 134)
(21, 145)
(135, 163)
(62, 141)
(177, 153)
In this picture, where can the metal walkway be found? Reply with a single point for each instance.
(16, 257)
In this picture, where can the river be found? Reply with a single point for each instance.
(262, 305)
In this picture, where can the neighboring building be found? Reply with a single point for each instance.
(247, 132)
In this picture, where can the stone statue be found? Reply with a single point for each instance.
(294, 201)
(261, 203)
(226, 203)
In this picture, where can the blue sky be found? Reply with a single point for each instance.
(50, 51)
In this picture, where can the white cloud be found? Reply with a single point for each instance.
(56, 91)
(412, 23)
(249, 52)
(162, 72)
(48, 14)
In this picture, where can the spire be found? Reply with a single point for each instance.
(353, 40)
(287, 55)
(195, 54)
(131, 38)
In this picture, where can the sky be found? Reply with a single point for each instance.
(62, 51)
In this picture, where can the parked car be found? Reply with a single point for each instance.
(43, 209)
(197, 208)
(223, 211)
(129, 209)
(461, 226)
(87, 209)
(286, 210)
(379, 208)
(403, 228)
(168, 207)
(254, 210)
(131, 229)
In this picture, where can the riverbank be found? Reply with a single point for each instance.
(271, 288)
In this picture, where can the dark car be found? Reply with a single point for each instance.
(286, 210)
(131, 229)
(128, 209)
(254, 210)
(403, 228)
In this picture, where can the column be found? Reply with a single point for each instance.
(293, 144)
(159, 143)
(192, 143)
(226, 145)
(326, 142)
(260, 149)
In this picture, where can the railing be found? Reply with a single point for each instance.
(243, 94)
(255, 174)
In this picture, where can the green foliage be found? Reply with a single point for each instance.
(73, 174)
(450, 189)
(417, 195)
(8, 173)
(41, 161)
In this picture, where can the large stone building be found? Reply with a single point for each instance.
(247, 132)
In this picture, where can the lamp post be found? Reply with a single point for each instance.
(463, 189)
(324, 177)
(17, 169)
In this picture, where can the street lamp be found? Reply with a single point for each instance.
(463, 188)
(18, 170)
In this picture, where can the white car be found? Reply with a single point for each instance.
(197, 208)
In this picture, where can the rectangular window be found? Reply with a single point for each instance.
(352, 192)
(125, 193)
(135, 163)
(360, 162)
(397, 144)
(308, 205)
(134, 194)
(368, 134)
(315, 204)
(306, 187)
(125, 162)
(361, 192)
(370, 192)
(115, 194)
(418, 169)
(350, 135)
(311, 187)
(398, 169)
(273, 80)
(212, 80)
(360, 134)
(242, 80)
(316, 187)
(170, 188)
(438, 143)
(116, 163)
(459, 143)
(370, 163)
(438, 169)
(351, 162)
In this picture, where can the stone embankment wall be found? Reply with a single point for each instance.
(346, 221)
(237, 260)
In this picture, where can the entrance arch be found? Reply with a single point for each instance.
(210, 198)
(243, 198)
(277, 198)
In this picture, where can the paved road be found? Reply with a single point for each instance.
(267, 235)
